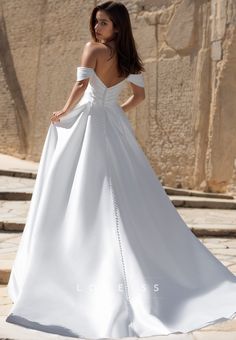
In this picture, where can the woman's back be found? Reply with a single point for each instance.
(106, 63)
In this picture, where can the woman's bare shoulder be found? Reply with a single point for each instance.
(95, 50)
(94, 45)
(92, 51)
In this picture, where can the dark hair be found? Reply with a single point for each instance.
(128, 58)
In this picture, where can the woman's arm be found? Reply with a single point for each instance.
(137, 97)
(76, 93)
(88, 59)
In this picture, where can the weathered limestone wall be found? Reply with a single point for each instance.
(187, 124)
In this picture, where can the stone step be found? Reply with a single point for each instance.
(13, 214)
(20, 168)
(15, 196)
(18, 179)
(16, 167)
(18, 173)
(9, 242)
(21, 189)
(200, 202)
(16, 188)
(186, 192)
(10, 179)
(210, 222)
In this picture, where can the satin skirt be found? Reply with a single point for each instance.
(104, 252)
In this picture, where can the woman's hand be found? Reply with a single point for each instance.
(55, 116)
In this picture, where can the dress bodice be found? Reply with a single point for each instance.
(98, 91)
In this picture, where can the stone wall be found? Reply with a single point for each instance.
(187, 123)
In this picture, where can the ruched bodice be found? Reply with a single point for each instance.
(98, 92)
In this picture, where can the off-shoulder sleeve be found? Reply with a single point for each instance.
(136, 79)
(83, 72)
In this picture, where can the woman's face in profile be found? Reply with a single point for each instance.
(104, 28)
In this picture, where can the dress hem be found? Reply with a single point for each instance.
(20, 321)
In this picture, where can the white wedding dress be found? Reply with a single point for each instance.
(104, 252)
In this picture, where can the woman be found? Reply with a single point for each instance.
(104, 252)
